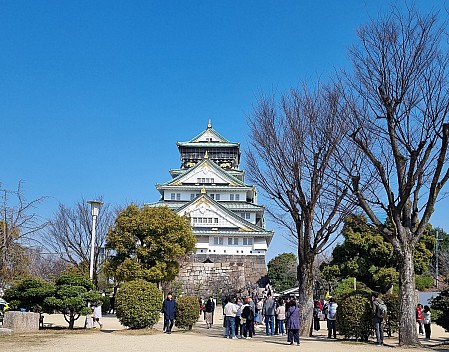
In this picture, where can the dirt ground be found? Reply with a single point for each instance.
(114, 337)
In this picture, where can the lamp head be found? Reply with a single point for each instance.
(95, 206)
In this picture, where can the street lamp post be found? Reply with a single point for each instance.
(438, 239)
(95, 209)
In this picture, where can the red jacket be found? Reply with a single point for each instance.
(418, 314)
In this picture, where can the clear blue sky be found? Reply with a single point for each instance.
(94, 95)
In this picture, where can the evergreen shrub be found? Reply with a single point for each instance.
(138, 304)
(391, 322)
(423, 282)
(187, 312)
(354, 316)
(440, 309)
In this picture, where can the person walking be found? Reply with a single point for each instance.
(426, 321)
(332, 318)
(379, 312)
(97, 315)
(419, 319)
(292, 317)
(209, 309)
(280, 316)
(230, 311)
(268, 311)
(169, 310)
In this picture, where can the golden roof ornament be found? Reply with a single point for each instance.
(206, 155)
(203, 190)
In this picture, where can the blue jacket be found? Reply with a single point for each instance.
(292, 317)
(169, 309)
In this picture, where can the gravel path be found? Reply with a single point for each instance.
(113, 338)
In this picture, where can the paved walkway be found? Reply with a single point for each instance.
(113, 337)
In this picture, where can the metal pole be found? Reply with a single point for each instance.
(436, 260)
(92, 247)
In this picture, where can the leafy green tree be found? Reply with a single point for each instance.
(147, 243)
(282, 271)
(30, 294)
(72, 296)
(366, 255)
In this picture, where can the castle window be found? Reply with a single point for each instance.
(237, 197)
(246, 216)
(217, 196)
(195, 220)
(172, 196)
(233, 241)
(192, 196)
(209, 220)
(247, 241)
(212, 196)
(178, 196)
(218, 241)
(231, 197)
(215, 220)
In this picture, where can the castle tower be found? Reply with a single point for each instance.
(210, 188)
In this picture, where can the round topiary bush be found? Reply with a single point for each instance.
(138, 304)
(354, 316)
(187, 312)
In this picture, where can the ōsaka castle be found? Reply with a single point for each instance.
(228, 223)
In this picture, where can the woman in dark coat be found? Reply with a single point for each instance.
(292, 317)
(169, 310)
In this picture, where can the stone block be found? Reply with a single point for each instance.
(5, 332)
(21, 322)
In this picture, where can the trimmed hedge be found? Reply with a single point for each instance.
(138, 304)
(354, 316)
(187, 312)
(391, 323)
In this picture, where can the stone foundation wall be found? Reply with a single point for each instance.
(224, 275)
(20, 322)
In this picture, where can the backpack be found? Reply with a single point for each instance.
(332, 313)
(381, 311)
(247, 313)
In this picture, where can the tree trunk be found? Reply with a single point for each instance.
(305, 301)
(407, 298)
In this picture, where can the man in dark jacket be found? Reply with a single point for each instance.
(169, 310)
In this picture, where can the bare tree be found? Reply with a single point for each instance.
(400, 102)
(47, 266)
(69, 235)
(19, 224)
(297, 156)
